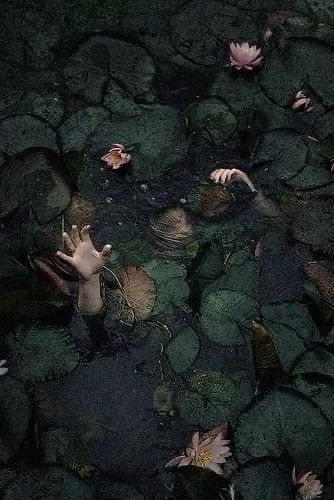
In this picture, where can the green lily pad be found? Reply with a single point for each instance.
(321, 393)
(183, 350)
(119, 102)
(227, 232)
(285, 422)
(18, 133)
(243, 278)
(14, 414)
(319, 361)
(212, 119)
(212, 399)
(303, 62)
(224, 312)
(289, 325)
(172, 289)
(48, 483)
(285, 151)
(76, 129)
(42, 354)
(263, 481)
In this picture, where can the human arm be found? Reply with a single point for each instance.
(85, 259)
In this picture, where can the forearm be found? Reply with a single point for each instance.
(89, 299)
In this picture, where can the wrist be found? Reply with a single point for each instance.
(92, 278)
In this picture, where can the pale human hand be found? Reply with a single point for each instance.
(224, 175)
(84, 257)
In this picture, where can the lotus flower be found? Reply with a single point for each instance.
(3, 370)
(301, 102)
(207, 453)
(244, 56)
(309, 487)
(223, 175)
(117, 156)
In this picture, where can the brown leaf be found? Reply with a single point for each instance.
(139, 291)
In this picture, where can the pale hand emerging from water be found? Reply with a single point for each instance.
(84, 257)
(88, 262)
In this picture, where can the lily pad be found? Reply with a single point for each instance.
(18, 133)
(156, 136)
(224, 312)
(14, 414)
(172, 289)
(210, 400)
(48, 483)
(318, 361)
(183, 350)
(42, 354)
(285, 152)
(76, 129)
(276, 423)
(212, 119)
(263, 481)
(45, 105)
(289, 325)
(321, 393)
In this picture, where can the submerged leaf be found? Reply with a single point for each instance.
(42, 354)
(267, 363)
(139, 291)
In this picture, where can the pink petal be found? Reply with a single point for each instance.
(185, 461)
(175, 461)
(3, 362)
(215, 468)
(3, 371)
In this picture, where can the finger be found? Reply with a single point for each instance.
(68, 243)
(213, 174)
(66, 258)
(224, 176)
(75, 235)
(84, 233)
(106, 250)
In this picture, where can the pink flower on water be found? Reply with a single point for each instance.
(117, 156)
(301, 102)
(244, 56)
(308, 486)
(3, 369)
(207, 453)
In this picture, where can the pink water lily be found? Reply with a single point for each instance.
(308, 486)
(3, 369)
(117, 156)
(208, 453)
(244, 56)
(301, 102)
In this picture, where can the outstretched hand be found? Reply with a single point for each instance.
(83, 256)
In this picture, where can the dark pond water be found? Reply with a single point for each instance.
(218, 295)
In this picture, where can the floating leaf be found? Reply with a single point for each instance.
(211, 200)
(321, 393)
(267, 362)
(285, 422)
(264, 481)
(322, 274)
(318, 361)
(47, 483)
(224, 312)
(183, 350)
(163, 400)
(14, 415)
(42, 354)
(139, 291)
(211, 400)
(169, 278)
